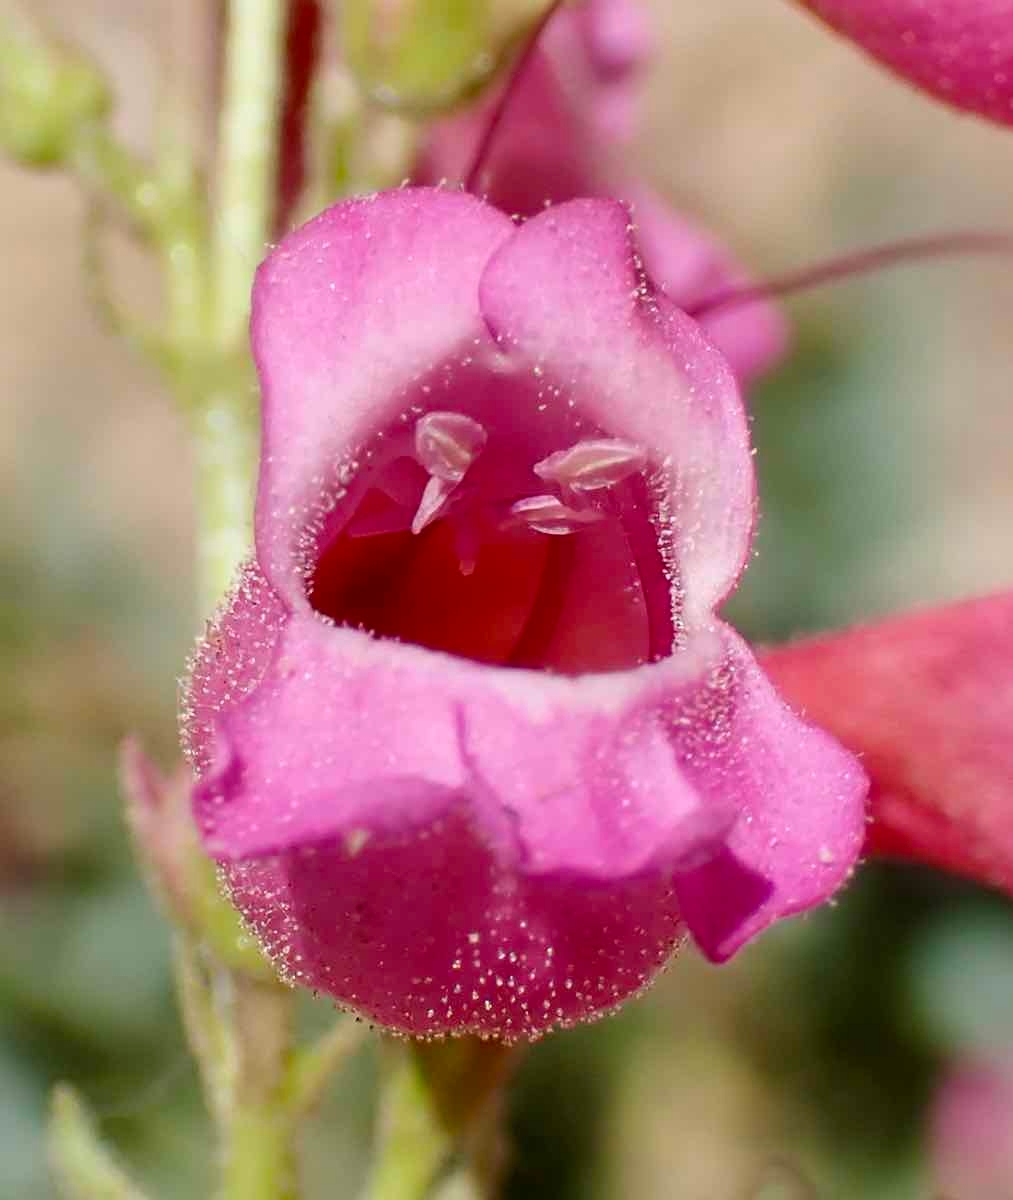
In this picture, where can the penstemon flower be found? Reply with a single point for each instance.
(474, 748)
(926, 699)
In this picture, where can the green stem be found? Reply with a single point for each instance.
(110, 170)
(247, 1060)
(225, 449)
(249, 146)
(259, 1162)
(440, 1109)
(222, 397)
(205, 1033)
(258, 1152)
(248, 1022)
(313, 1066)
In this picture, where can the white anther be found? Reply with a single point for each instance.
(592, 464)
(434, 500)
(447, 443)
(548, 514)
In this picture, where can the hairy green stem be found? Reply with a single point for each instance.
(252, 1018)
(313, 1066)
(247, 175)
(225, 449)
(240, 1030)
(224, 407)
(258, 1134)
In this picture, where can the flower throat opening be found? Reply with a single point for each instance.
(527, 543)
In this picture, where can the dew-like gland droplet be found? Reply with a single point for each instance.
(593, 464)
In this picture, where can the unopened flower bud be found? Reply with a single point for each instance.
(180, 874)
(429, 55)
(47, 95)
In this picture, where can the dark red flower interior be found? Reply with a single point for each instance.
(497, 525)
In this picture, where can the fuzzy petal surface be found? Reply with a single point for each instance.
(961, 51)
(926, 699)
(801, 816)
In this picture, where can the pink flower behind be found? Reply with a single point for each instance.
(959, 50)
(927, 700)
(473, 747)
(570, 116)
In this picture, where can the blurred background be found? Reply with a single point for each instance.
(885, 452)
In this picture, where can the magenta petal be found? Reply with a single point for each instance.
(800, 798)
(690, 266)
(433, 936)
(341, 739)
(229, 662)
(927, 700)
(959, 50)
(654, 378)
(346, 315)
(349, 737)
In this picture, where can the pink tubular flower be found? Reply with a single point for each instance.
(927, 700)
(568, 113)
(959, 50)
(472, 746)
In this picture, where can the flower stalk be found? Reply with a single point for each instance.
(240, 1025)
(254, 55)
(440, 1110)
